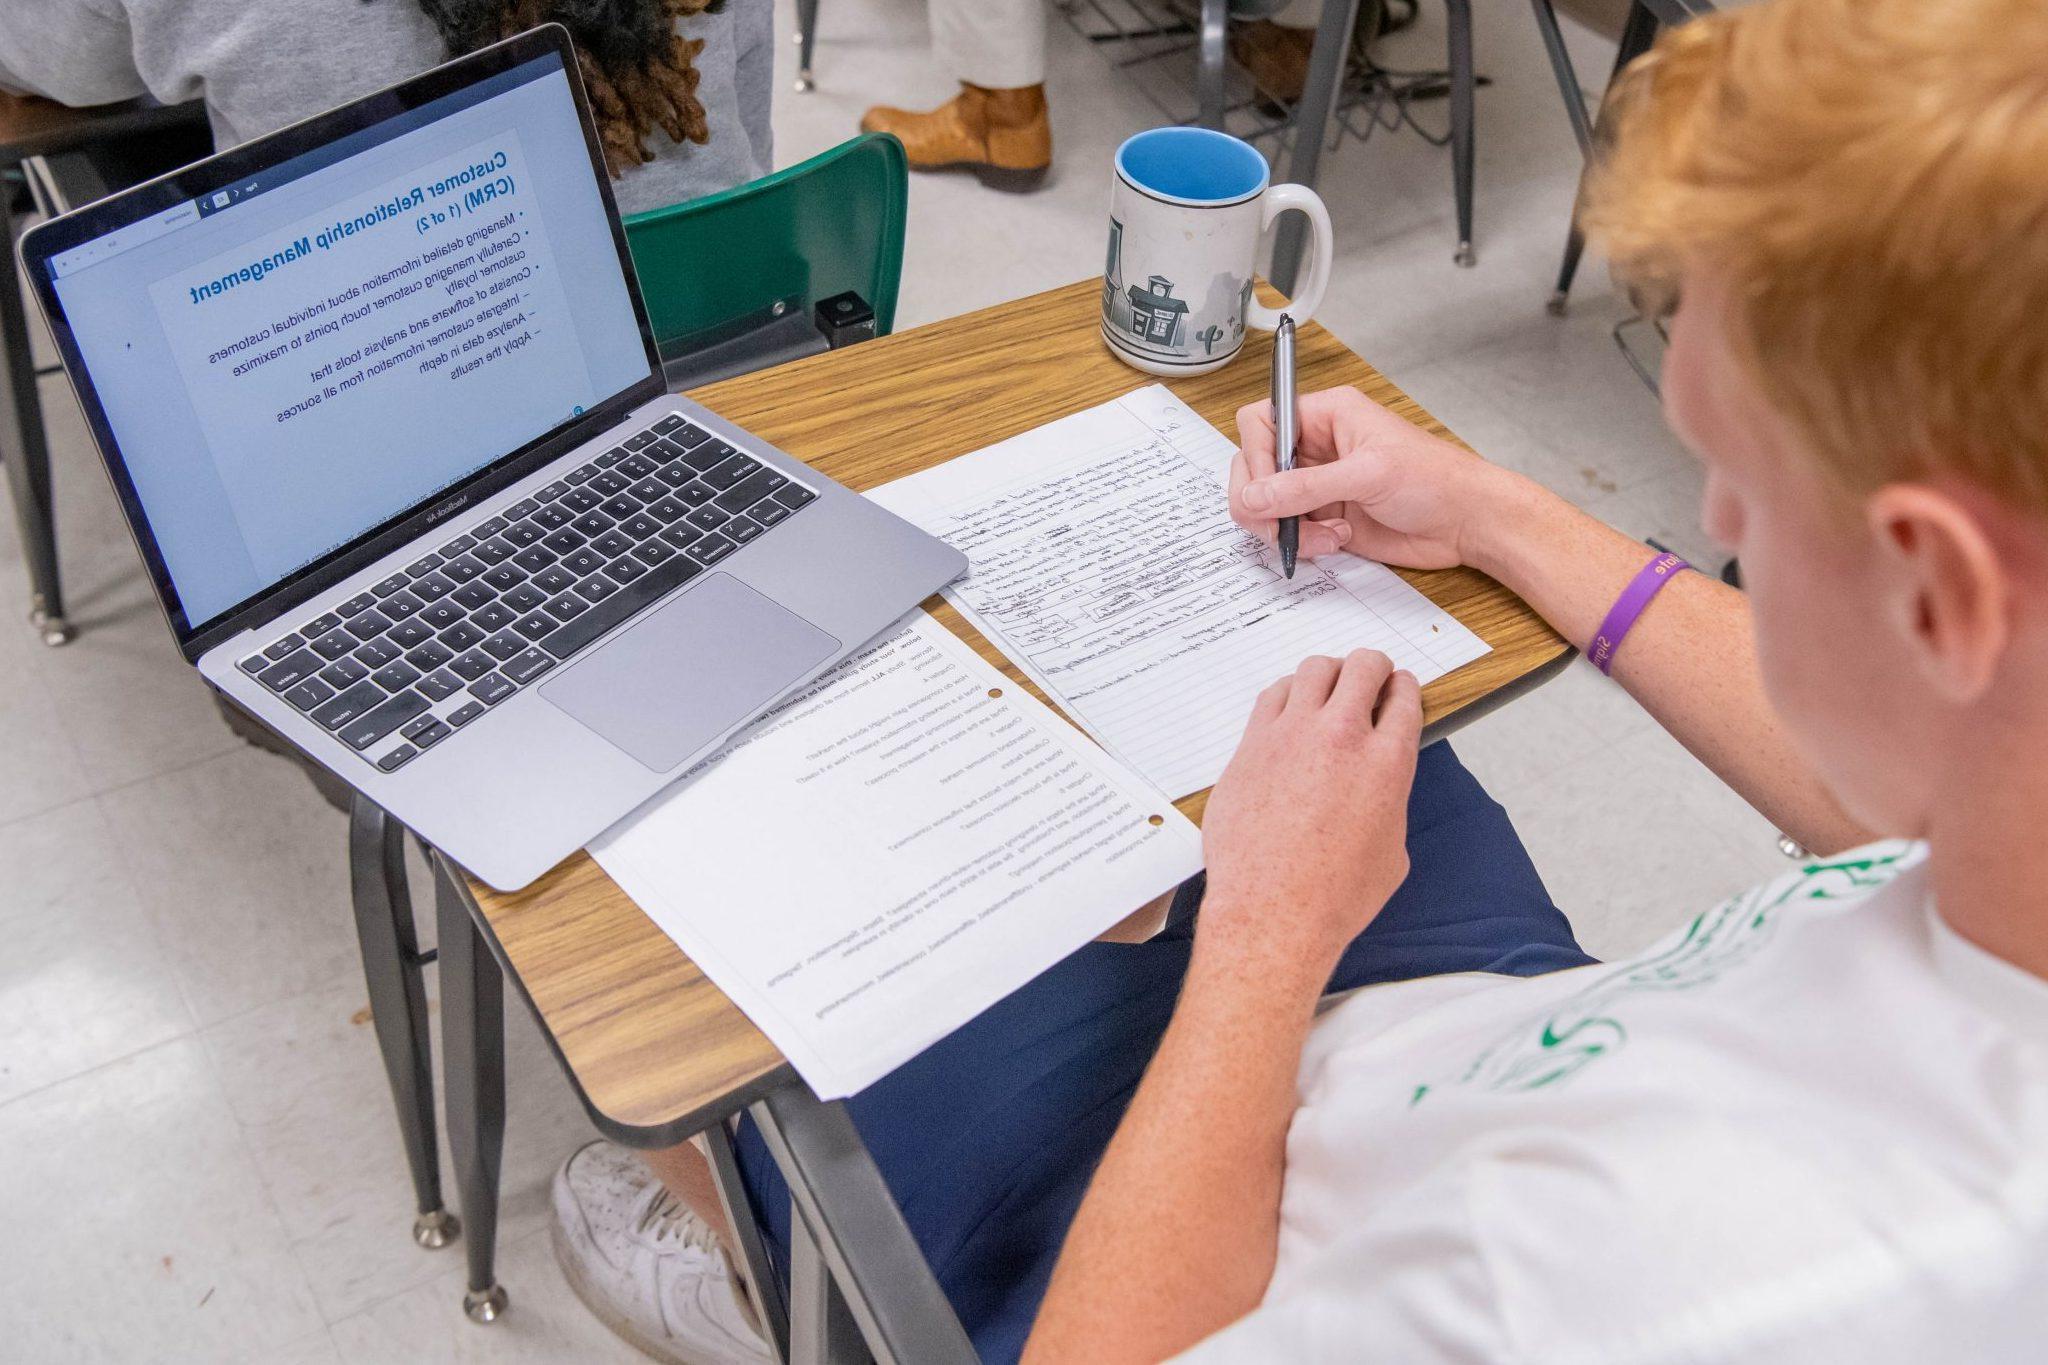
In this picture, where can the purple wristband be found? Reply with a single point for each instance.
(1627, 607)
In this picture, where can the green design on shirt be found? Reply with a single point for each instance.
(1552, 1047)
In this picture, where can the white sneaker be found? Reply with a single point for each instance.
(650, 1270)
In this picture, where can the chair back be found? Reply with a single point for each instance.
(731, 279)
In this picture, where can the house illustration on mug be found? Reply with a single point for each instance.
(1156, 315)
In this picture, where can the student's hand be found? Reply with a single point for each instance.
(1366, 481)
(1306, 834)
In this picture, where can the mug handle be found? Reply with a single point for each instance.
(1309, 297)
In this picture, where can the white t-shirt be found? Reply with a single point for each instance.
(1811, 1126)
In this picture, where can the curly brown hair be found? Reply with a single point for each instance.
(638, 70)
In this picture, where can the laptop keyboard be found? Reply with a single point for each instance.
(433, 647)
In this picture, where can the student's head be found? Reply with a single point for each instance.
(1847, 200)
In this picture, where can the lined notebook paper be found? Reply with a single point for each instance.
(1102, 558)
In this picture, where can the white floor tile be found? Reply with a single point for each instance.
(245, 869)
(123, 697)
(1597, 702)
(136, 1227)
(305, 1079)
(82, 981)
(43, 767)
(1527, 741)
(1631, 841)
(1664, 508)
(546, 1323)
(317, 1349)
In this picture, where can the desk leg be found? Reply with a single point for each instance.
(863, 1264)
(821, 1326)
(25, 447)
(473, 1039)
(1212, 72)
(1463, 79)
(1326, 62)
(1567, 76)
(761, 1276)
(806, 40)
(1637, 33)
(398, 1004)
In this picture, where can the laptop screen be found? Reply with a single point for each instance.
(290, 361)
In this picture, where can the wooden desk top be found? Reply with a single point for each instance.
(655, 1049)
(32, 126)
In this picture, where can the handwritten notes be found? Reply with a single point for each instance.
(1102, 557)
(893, 850)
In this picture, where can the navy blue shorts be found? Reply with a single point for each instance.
(988, 1139)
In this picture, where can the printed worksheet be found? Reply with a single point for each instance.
(1102, 558)
(891, 851)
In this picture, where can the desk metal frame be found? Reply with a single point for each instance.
(860, 1288)
(25, 446)
(394, 970)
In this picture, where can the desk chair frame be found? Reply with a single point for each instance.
(860, 1288)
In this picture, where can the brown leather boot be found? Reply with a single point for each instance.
(1002, 136)
(1275, 56)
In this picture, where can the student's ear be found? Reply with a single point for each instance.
(1948, 589)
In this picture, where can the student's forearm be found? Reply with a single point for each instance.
(1177, 1235)
(1690, 659)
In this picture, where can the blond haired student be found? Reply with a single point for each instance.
(1812, 1124)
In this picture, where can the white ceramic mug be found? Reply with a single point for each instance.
(1186, 210)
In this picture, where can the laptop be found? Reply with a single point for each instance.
(383, 410)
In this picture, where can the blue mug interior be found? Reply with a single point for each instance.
(1192, 165)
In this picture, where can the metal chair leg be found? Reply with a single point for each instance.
(1568, 268)
(1326, 62)
(25, 448)
(473, 1039)
(806, 40)
(822, 1328)
(1463, 80)
(1567, 77)
(1210, 73)
(761, 1277)
(865, 1251)
(392, 964)
(1638, 31)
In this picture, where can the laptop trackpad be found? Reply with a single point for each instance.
(670, 682)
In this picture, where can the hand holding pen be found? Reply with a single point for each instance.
(1370, 482)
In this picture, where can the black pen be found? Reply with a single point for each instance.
(1285, 431)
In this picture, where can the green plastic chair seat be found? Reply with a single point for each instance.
(730, 279)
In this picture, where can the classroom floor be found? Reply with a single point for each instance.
(197, 1156)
